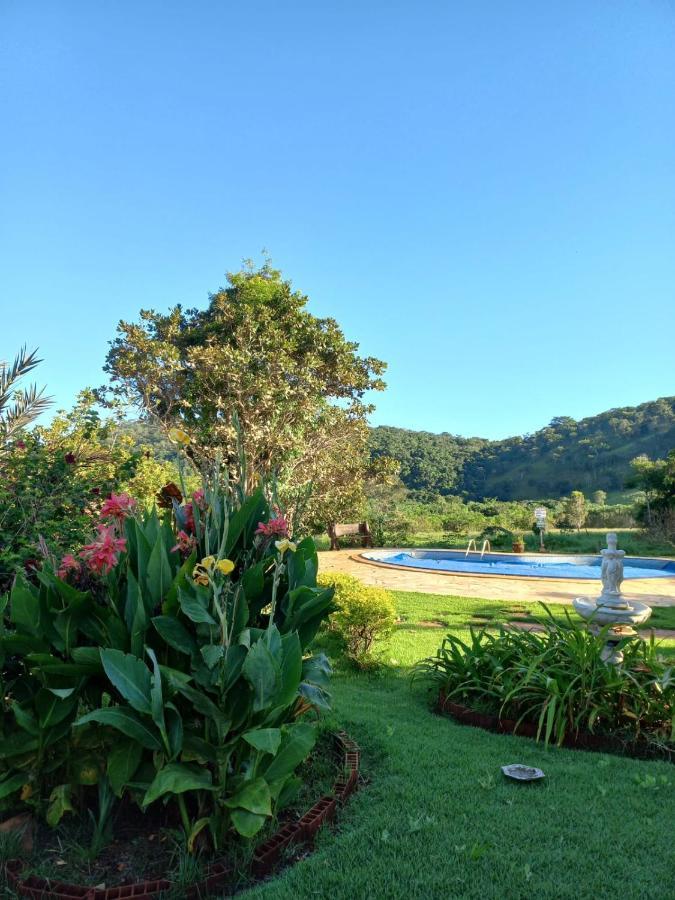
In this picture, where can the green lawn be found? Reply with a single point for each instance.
(439, 820)
(590, 541)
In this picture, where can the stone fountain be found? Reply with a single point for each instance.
(611, 607)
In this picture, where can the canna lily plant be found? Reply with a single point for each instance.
(166, 664)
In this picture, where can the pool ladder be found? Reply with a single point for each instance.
(483, 550)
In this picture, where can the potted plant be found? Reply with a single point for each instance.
(518, 545)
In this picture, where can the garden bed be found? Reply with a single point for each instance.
(579, 740)
(218, 875)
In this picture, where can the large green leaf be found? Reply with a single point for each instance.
(175, 634)
(127, 721)
(159, 576)
(195, 607)
(177, 778)
(212, 654)
(11, 784)
(253, 796)
(53, 709)
(156, 696)
(291, 670)
(245, 520)
(202, 703)
(130, 676)
(253, 580)
(59, 804)
(124, 759)
(296, 743)
(24, 606)
(263, 673)
(265, 739)
(248, 824)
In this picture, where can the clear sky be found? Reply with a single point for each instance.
(482, 193)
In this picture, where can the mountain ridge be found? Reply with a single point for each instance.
(588, 454)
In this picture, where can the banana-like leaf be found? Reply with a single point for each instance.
(130, 676)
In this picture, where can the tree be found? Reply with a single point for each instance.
(599, 497)
(19, 407)
(656, 478)
(574, 510)
(255, 357)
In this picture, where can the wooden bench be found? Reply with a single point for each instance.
(338, 531)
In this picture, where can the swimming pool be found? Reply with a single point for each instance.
(518, 565)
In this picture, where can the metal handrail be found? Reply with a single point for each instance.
(468, 548)
(486, 547)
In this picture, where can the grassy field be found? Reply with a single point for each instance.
(592, 540)
(438, 819)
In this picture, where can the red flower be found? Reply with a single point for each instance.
(185, 543)
(276, 527)
(198, 498)
(102, 555)
(68, 564)
(118, 506)
(20, 445)
(70, 458)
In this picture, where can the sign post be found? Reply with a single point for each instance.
(540, 516)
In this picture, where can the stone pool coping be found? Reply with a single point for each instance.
(655, 591)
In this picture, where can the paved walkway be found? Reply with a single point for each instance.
(658, 591)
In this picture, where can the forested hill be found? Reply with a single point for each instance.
(592, 454)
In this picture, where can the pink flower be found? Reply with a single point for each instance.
(185, 543)
(20, 445)
(102, 555)
(276, 527)
(68, 564)
(198, 498)
(118, 506)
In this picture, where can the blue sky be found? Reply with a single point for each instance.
(483, 193)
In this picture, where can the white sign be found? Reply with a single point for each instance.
(540, 512)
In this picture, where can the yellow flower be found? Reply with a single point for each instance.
(283, 546)
(178, 436)
(200, 575)
(225, 566)
(26, 791)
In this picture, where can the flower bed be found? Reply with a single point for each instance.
(557, 686)
(218, 875)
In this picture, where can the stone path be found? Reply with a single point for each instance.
(656, 591)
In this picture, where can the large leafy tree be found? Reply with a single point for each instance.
(255, 356)
(656, 478)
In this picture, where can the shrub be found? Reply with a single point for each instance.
(363, 613)
(559, 680)
(165, 664)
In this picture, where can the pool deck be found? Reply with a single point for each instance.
(655, 591)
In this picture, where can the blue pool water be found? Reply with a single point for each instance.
(523, 566)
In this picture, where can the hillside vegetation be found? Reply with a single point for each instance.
(588, 455)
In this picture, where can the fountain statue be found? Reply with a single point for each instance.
(611, 607)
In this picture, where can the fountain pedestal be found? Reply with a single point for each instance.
(611, 607)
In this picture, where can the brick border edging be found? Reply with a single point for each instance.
(582, 740)
(265, 858)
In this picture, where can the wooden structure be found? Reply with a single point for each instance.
(338, 531)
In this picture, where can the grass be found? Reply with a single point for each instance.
(591, 541)
(439, 820)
